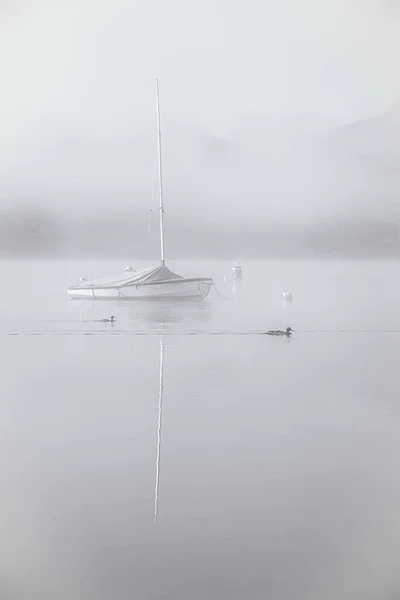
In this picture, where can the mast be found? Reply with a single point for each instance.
(160, 182)
(160, 401)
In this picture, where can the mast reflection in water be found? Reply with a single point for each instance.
(159, 426)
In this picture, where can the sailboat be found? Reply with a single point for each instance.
(152, 282)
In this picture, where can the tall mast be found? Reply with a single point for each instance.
(160, 182)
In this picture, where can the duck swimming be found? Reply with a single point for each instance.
(288, 332)
(107, 320)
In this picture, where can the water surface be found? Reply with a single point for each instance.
(279, 470)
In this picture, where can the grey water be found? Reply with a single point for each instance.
(280, 458)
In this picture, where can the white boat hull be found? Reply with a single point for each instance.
(189, 290)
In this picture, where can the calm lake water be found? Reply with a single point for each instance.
(279, 459)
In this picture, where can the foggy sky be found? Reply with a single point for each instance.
(78, 77)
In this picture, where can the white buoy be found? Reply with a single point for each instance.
(287, 296)
(237, 271)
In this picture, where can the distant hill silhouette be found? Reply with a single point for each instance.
(334, 193)
(352, 170)
(205, 176)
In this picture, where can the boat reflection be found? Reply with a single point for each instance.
(188, 313)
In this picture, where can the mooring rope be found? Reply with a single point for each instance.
(220, 295)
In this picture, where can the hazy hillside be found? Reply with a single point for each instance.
(354, 169)
(31, 234)
(205, 177)
(330, 193)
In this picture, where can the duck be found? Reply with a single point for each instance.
(107, 320)
(288, 332)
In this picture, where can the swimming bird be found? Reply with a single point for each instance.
(107, 320)
(288, 332)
